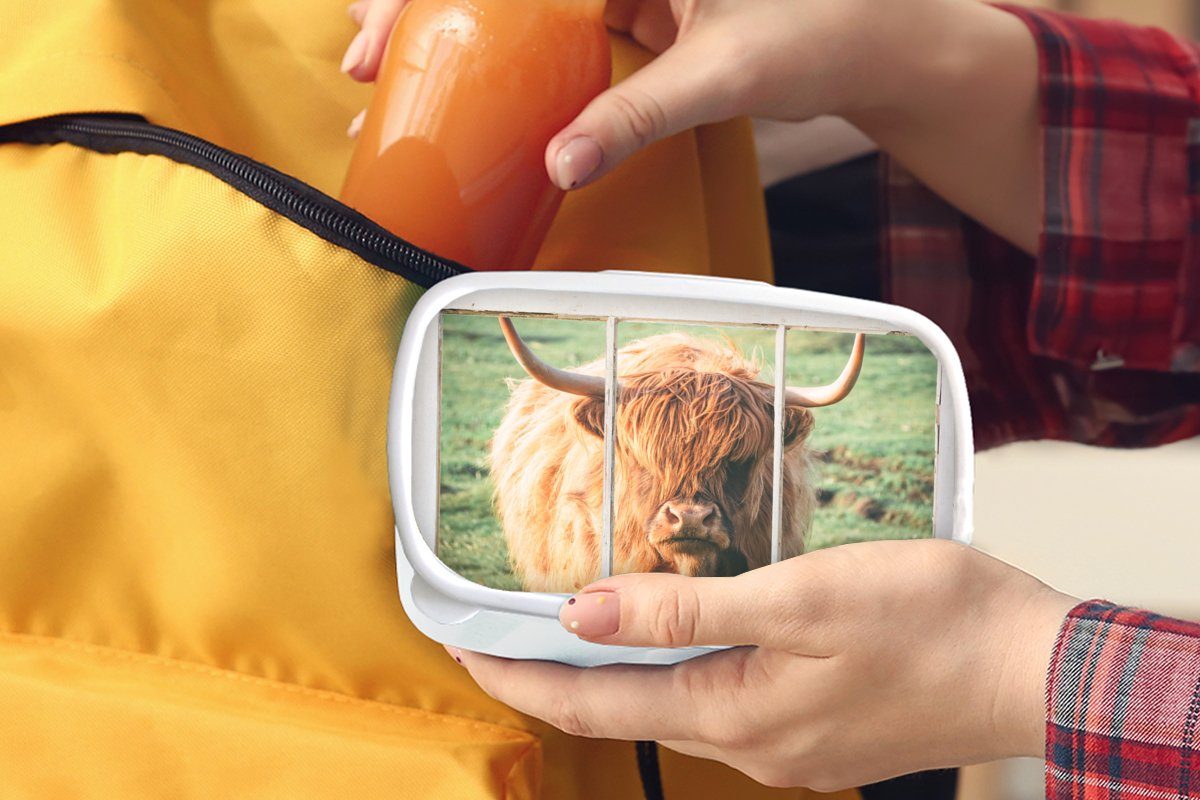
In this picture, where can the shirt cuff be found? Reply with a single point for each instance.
(1123, 702)
(1119, 156)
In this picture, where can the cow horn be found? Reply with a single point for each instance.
(540, 371)
(817, 396)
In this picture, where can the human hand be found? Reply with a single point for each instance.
(718, 59)
(947, 87)
(851, 665)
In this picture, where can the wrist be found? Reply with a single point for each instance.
(1020, 704)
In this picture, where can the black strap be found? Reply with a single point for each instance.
(648, 770)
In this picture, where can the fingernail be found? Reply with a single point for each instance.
(577, 161)
(356, 11)
(356, 125)
(454, 652)
(356, 52)
(592, 614)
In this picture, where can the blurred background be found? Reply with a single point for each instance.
(1177, 16)
(1120, 525)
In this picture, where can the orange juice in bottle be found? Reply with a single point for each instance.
(451, 152)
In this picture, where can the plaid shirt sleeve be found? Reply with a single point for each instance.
(1097, 339)
(1124, 707)
(1117, 281)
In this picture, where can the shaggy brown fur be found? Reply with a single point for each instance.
(694, 432)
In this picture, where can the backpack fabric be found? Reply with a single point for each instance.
(197, 582)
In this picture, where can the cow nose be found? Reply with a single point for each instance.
(683, 516)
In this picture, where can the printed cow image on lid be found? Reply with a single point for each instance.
(575, 448)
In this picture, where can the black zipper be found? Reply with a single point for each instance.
(318, 212)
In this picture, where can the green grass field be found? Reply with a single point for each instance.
(875, 449)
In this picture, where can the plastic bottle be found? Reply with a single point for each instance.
(452, 150)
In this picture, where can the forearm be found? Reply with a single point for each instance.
(953, 96)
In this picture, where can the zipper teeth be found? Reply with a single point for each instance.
(393, 249)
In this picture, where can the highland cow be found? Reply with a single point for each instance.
(693, 472)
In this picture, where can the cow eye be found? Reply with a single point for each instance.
(739, 466)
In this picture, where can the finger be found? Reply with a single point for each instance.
(663, 610)
(654, 26)
(354, 54)
(617, 702)
(650, 23)
(366, 51)
(358, 11)
(356, 124)
(619, 14)
(682, 88)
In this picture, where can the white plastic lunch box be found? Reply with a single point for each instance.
(456, 611)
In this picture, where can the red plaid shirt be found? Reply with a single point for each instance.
(1095, 340)
(1124, 707)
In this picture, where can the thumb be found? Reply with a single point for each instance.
(666, 610)
(680, 89)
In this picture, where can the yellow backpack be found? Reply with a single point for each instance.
(197, 587)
